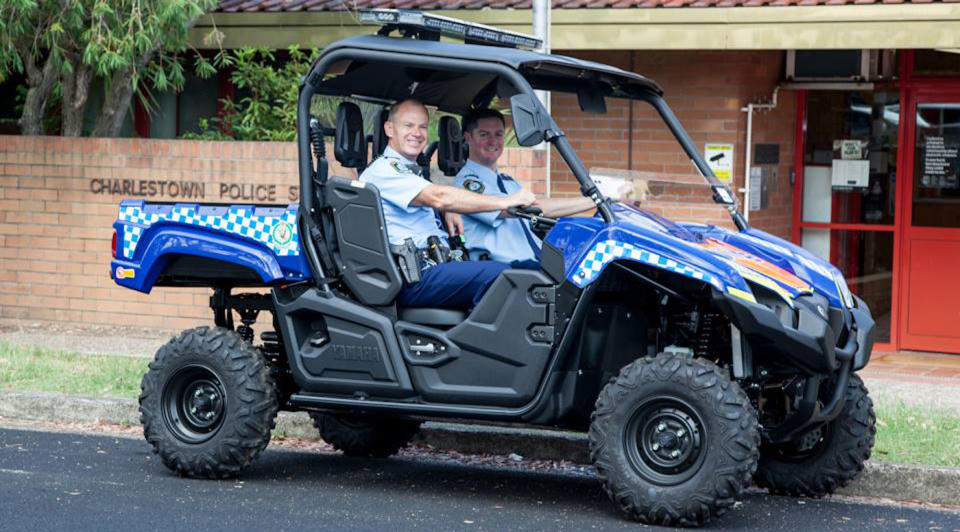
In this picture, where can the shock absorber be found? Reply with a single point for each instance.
(707, 334)
(247, 318)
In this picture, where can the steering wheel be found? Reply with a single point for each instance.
(535, 215)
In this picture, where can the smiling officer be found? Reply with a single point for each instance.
(409, 201)
(496, 234)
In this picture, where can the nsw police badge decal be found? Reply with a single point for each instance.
(473, 185)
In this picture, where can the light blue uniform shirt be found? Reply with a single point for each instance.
(503, 239)
(398, 185)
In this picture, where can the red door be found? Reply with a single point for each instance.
(930, 312)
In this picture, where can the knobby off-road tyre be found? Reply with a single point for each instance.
(674, 441)
(830, 457)
(365, 436)
(208, 403)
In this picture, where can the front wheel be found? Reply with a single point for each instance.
(674, 441)
(207, 403)
(819, 462)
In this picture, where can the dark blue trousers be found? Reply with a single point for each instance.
(454, 285)
(529, 264)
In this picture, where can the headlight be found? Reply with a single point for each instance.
(845, 295)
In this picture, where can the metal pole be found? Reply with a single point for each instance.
(541, 30)
(746, 163)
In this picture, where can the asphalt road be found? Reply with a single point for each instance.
(65, 481)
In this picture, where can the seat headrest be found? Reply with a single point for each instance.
(350, 143)
(379, 135)
(450, 153)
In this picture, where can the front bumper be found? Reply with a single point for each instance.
(809, 344)
(810, 341)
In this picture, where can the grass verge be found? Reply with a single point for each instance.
(41, 370)
(917, 435)
(905, 434)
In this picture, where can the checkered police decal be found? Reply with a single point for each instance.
(610, 250)
(237, 220)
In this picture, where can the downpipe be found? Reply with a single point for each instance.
(748, 151)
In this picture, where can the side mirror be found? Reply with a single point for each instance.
(528, 119)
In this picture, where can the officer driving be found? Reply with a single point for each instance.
(408, 203)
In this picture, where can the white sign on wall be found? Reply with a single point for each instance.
(720, 159)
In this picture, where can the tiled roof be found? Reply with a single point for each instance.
(249, 6)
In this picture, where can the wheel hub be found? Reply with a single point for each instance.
(193, 404)
(203, 401)
(670, 438)
(664, 441)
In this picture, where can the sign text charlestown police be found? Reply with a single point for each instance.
(193, 190)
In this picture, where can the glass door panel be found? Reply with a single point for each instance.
(850, 159)
(936, 184)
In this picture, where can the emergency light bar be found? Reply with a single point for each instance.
(431, 27)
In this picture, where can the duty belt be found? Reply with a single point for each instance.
(413, 260)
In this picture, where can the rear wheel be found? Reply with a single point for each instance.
(674, 441)
(819, 462)
(364, 436)
(207, 403)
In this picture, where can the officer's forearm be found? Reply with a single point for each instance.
(557, 207)
(454, 199)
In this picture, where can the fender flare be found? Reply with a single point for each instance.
(165, 242)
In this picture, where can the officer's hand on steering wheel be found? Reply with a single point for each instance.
(534, 214)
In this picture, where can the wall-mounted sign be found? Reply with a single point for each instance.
(850, 149)
(850, 174)
(194, 190)
(940, 163)
(720, 159)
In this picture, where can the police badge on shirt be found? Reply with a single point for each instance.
(473, 184)
(401, 168)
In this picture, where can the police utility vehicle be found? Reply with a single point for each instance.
(698, 359)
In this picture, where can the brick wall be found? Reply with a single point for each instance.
(706, 90)
(58, 201)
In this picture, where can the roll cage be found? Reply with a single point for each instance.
(456, 78)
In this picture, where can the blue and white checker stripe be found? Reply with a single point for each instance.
(607, 251)
(237, 220)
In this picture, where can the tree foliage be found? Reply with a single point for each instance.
(265, 107)
(62, 46)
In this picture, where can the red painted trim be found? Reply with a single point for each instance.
(847, 227)
(904, 176)
(799, 145)
(926, 90)
(884, 346)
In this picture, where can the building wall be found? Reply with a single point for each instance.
(58, 201)
(58, 196)
(706, 90)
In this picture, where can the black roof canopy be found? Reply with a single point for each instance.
(456, 90)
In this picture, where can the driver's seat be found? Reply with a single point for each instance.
(362, 252)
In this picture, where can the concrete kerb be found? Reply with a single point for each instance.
(902, 482)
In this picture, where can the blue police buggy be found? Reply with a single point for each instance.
(698, 359)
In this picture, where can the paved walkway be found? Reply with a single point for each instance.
(914, 378)
(911, 377)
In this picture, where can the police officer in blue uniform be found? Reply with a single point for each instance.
(496, 234)
(409, 201)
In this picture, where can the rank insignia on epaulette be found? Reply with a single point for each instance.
(473, 185)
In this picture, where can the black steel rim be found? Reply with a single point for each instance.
(193, 404)
(665, 440)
